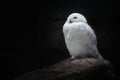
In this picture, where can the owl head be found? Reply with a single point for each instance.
(76, 17)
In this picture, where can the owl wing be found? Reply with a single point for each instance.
(88, 37)
(88, 32)
(92, 34)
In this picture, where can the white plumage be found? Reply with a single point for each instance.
(79, 37)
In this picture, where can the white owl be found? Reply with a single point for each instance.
(79, 37)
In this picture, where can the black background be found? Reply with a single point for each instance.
(32, 36)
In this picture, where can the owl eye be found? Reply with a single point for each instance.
(75, 17)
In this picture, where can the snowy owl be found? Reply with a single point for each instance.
(79, 37)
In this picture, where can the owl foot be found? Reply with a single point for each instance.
(72, 58)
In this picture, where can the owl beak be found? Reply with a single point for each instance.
(70, 21)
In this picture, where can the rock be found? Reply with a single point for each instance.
(77, 69)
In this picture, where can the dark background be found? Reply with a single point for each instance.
(32, 36)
